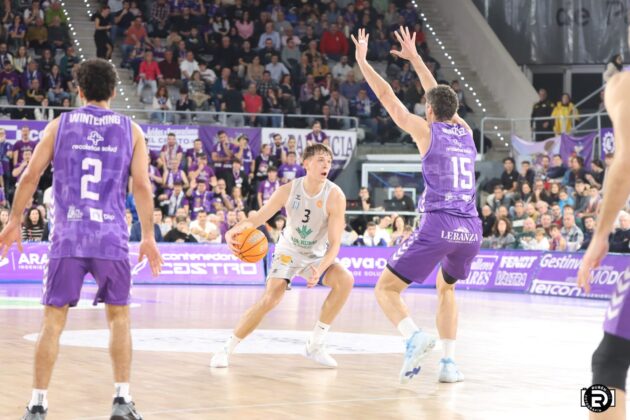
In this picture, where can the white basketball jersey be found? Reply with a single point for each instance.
(306, 230)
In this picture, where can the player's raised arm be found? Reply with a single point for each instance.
(417, 127)
(275, 203)
(617, 182)
(336, 208)
(42, 156)
(409, 52)
(143, 196)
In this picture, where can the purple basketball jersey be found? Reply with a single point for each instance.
(92, 158)
(448, 169)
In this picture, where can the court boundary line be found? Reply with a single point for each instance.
(267, 405)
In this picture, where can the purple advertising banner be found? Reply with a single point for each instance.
(541, 273)
(578, 146)
(183, 264)
(209, 136)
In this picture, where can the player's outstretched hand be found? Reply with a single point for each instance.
(230, 235)
(407, 44)
(361, 45)
(313, 278)
(593, 257)
(11, 233)
(148, 248)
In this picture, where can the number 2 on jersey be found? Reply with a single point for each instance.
(462, 176)
(91, 177)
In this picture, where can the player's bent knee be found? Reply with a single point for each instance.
(449, 280)
(610, 362)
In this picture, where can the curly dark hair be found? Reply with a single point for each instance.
(97, 79)
(443, 101)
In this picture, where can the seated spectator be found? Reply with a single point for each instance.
(233, 102)
(557, 169)
(10, 83)
(554, 192)
(571, 233)
(509, 177)
(270, 34)
(565, 199)
(238, 200)
(398, 231)
(255, 71)
(16, 32)
(276, 68)
(498, 199)
(348, 236)
(384, 228)
(540, 241)
(526, 236)
(135, 235)
(518, 216)
(614, 66)
(530, 211)
(589, 230)
(161, 105)
(197, 91)
(502, 237)
(170, 70)
(369, 238)
(149, 74)
(34, 228)
(527, 174)
(620, 239)
(317, 135)
(291, 169)
(35, 95)
(276, 225)
(21, 113)
(199, 198)
(201, 171)
(204, 230)
(55, 84)
(399, 201)
(566, 115)
(558, 242)
(525, 193)
(596, 177)
(577, 171)
(267, 187)
(341, 69)
(542, 168)
(488, 220)
(188, 66)
(184, 105)
(37, 36)
(44, 112)
(135, 36)
(556, 214)
(176, 200)
(253, 104)
(582, 195)
(540, 193)
(463, 105)
(180, 233)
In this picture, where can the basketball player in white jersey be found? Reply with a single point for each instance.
(308, 246)
(611, 359)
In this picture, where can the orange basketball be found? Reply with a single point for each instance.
(252, 245)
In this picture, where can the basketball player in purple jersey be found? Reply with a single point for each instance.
(93, 151)
(611, 359)
(450, 230)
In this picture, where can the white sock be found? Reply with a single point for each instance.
(38, 397)
(449, 348)
(407, 327)
(319, 333)
(232, 343)
(122, 390)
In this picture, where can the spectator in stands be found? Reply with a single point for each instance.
(341, 69)
(276, 68)
(577, 171)
(572, 234)
(327, 120)
(199, 197)
(44, 112)
(316, 135)
(54, 83)
(278, 150)
(57, 34)
(34, 228)
(10, 81)
(233, 102)
(399, 202)
(565, 199)
(502, 237)
(68, 61)
(102, 27)
(237, 178)
(276, 226)
(35, 95)
(557, 169)
(222, 154)
(363, 108)
(614, 66)
(509, 177)
(291, 169)
(498, 199)
(180, 233)
(463, 105)
(488, 220)
(526, 235)
(176, 199)
(398, 230)
(253, 104)
(527, 174)
(268, 187)
(333, 43)
(159, 19)
(135, 235)
(542, 109)
(201, 171)
(540, 242)
(184, 106)
(21, 113)
(135, 36)
(171, 151)
(37, 36)
(4, 217)
(370, 238)
(16, 32)
(169, 68)
(620, 239)
(54, 11)
(204, 230)
(150, 74)
(172, 175)
(339, 105)
(197, 89)
(314, 105)
(188, 66)
(596, 177)
(161, 104)
(269, 34)
(518, 216)
(558, 242)
(566, 115)
(589, 230)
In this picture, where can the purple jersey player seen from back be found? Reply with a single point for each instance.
(449, 234)
(94, 151)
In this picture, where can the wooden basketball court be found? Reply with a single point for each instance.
(523, 357)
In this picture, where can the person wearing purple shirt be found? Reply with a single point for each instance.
(245, 154)
(177, 199)
(10, 82)
(290, 170)
(171, 150)
(6, 153)
(220, 194)
(268, 187)
(202, 170)
(24, 144)
(317, 135)
(278, 150)
(222, 154)
(200, 199)
(172, 176)
(19, 169)
(193, 154)
(156, 178)
(450, 233)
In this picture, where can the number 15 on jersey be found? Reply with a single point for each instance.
(462, 173)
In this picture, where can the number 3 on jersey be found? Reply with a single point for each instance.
(307, 216)
(462, 175)
(91, 177)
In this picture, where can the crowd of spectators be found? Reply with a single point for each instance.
(549, 206)
(268, 57)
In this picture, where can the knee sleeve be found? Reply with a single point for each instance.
(610, 362)
(448, 278)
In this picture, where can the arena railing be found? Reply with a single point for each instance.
(149, 115)
(504, 128)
